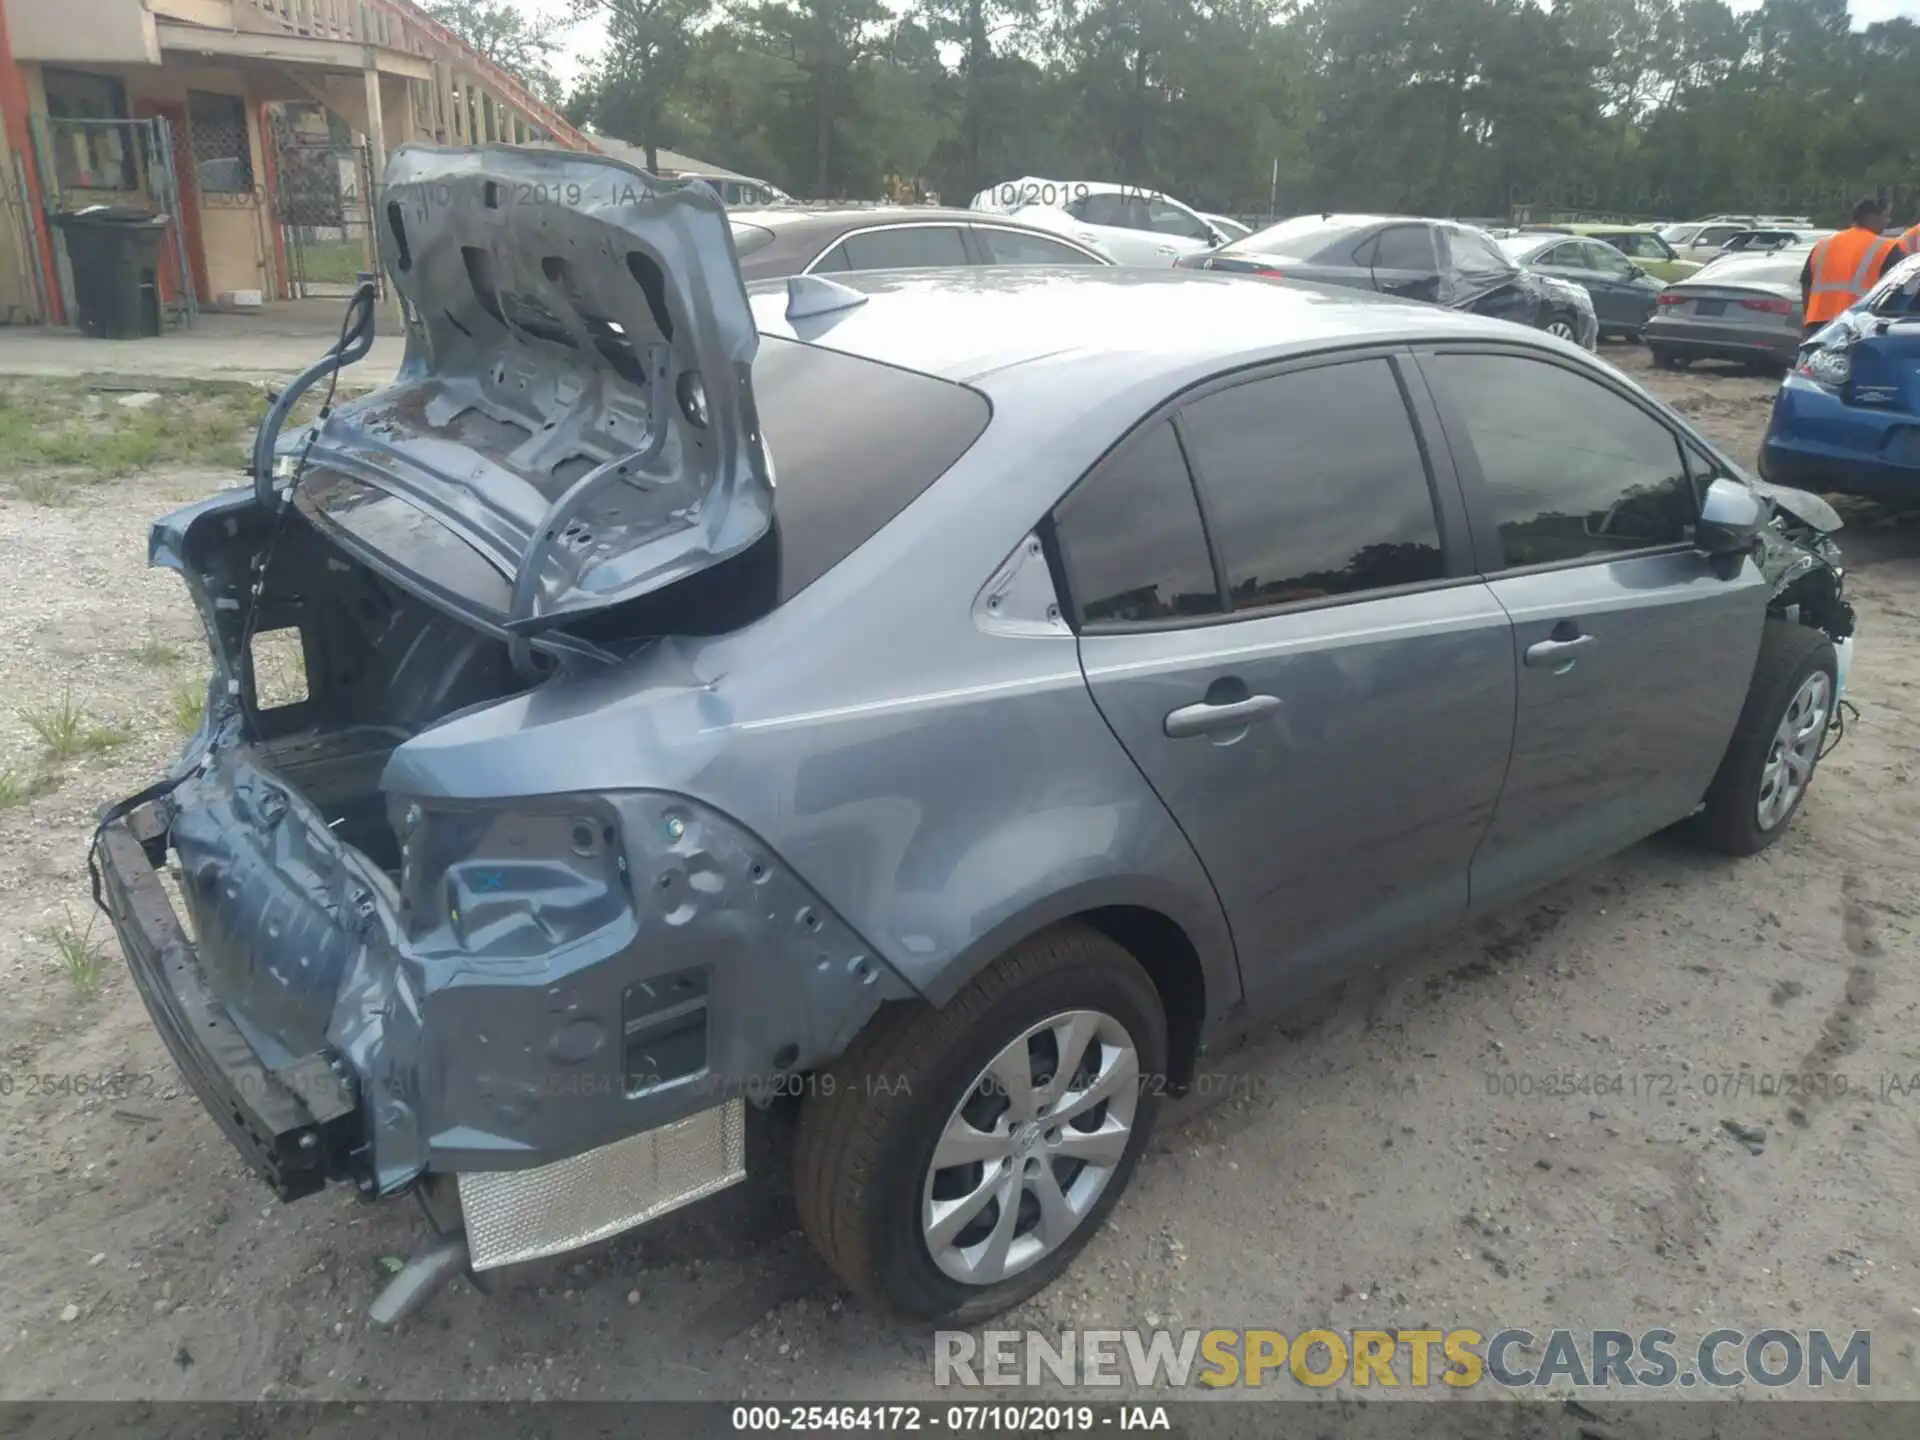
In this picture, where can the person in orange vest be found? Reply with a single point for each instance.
(1909, 242)
(1845, 266)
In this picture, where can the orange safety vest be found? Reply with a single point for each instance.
(1844, 268)
(1909, 243)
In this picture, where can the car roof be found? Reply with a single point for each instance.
(1126, 323)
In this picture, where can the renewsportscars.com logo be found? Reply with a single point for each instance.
(1513, 1359)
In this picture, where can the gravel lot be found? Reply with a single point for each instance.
(1353, 1169)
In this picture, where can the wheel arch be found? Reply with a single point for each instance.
(1183, 946)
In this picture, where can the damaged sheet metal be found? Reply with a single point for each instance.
(575, 403)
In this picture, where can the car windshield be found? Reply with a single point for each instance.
(1303, 235)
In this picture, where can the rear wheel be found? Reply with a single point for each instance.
(954, 1160)
(1562, 327)
(1770, 761)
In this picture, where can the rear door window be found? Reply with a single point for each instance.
(1130, 539)
(1315, 485)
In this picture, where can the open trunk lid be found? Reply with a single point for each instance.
(573, 425)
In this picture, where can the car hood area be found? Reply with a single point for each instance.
(575, 407)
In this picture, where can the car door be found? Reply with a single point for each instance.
(1181, 231)
(911, 246)
(1404, 260)
(1634, 655)
(1115, 223)
(1322, 695)
(1627, 293)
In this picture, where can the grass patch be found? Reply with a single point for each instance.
(189, 705)
(66, 730)
(16, 787)
(48, 490)
(78, 954)
(155, 653)
(89, 437)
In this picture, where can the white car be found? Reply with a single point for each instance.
(1229, 227)
(1133, 224)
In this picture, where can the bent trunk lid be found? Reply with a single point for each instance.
(576, 401)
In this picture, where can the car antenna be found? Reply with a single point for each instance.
(811, 295)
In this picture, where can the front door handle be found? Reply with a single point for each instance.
(1204, 719)
(1557, 655)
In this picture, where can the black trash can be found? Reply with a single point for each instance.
(114, 252)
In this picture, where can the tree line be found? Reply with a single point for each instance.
(1472, 108)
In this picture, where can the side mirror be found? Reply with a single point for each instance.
(1730, 519)
(1634, 272)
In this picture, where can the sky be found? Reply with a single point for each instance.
(583, 40)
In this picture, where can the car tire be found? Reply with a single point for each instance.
(1663, 358)
(918, 1078)
(1770, 762)
(1563, 326)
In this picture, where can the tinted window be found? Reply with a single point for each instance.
(1019, 247)
(1572, 469)
(1130, 537)
(1405, 247)
(905, 248)
(1640, 246)
(1716, 234)
(1567, 256)
(1315, 485)
(835, 260)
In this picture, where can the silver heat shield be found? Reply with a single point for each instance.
(515, 1215)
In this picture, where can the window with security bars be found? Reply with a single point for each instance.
(217, 139)
(88, 152)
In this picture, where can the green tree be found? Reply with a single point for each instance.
(507, 36)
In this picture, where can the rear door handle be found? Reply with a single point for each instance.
(1557, 655)
(1204, 719)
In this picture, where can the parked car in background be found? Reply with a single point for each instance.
(1772, 238)
(1623, 294)
(1228, 227)
(1440, 261)
(1847, 416)
(800, 241)
(738, 193)
(1742, 307)
(1642, 244)
(1132, 224)
(926, 722)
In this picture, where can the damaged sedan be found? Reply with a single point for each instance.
(922, 709)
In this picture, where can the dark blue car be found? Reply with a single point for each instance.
(1847, 418)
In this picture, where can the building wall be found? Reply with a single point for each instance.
(83, 32)
(234, 228)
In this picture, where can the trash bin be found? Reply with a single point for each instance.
(114, 252)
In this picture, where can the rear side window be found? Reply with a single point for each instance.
(1315, 485)
(906, 248)
(1573, 470)
(1130, 539)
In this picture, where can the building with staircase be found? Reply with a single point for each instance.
(258, 127)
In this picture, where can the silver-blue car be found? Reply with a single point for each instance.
(923, 709)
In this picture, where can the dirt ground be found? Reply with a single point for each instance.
(1356, 1168)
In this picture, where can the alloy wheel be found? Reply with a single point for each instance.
(1033, 1142)
(1796, 745)
(1560, 328)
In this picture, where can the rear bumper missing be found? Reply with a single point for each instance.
(297, 1126)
